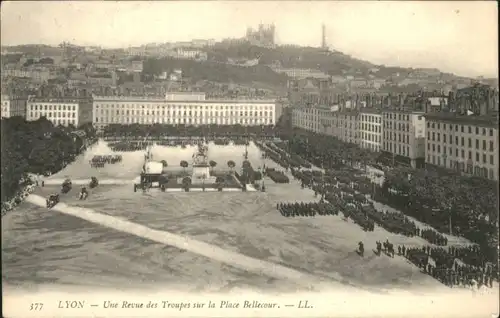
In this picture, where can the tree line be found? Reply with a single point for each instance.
(36, 147)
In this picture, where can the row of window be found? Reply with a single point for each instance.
(184, 113)
(53, 114)
(398, 116)
(400, 137)
(371, 119)
(399, 126)
(432, 137)
(226, 121)
(397, 149)
(371, 127)
(52, 107)
(370, 137)
(454, 164)
(477, 130)
(437, 149)
(171, 106)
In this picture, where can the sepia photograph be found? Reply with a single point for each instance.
(249, 159)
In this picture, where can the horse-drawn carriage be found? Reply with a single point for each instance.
(52, 200)
(66, 186)
(93, 182)
(152, 181)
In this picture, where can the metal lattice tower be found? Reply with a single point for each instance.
(323, 36)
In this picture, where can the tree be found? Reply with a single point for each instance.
(212, 164)
(184, 164)
(231, 164)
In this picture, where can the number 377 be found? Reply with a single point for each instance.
(36, 306)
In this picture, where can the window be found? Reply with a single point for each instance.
(433, 147)
(477, 130)
(491, 145)
(456, 140)
(477, 143)
(491, 132)
(477, 156)
(444, 138)
(462, 154)
(462, 141)
(492, 162)
(438, 135)
(470, 143)
(456, 152)
(439, 149)
(451, 141)
(433, 135)
(484, 158)
(428, 146)
(484, 131)
(470, 155)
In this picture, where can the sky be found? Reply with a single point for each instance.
(458, 37)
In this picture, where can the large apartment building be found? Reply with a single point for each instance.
(60, 111)
(404, 136)
(181, 108)
(13, 106)
(325, 120)
(468, 144)
(316, 119)
(370, 129)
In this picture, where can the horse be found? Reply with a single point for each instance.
(389, 248)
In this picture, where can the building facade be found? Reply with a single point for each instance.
(326, 120)
(315, 119)
(467, 144)
(370, 129)
(173, 110)
(346, 125)
(13, 106)
(404, 136)
(60, 111)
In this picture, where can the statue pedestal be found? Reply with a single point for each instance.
(201, 174)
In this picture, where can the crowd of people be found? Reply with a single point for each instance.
(28, 187)
(445, 267)
(99, 161)
(306, 209)
(341, 194)
(128, 146)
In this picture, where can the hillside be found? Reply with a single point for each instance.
(333, 63)
(214, 71)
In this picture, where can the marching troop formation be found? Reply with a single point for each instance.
(305, 209)
(128, 146)
(99, 161)
(464, 266)
(445, 267)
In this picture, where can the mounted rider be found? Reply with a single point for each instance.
(83, 193)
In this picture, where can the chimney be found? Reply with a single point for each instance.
(428, 108)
